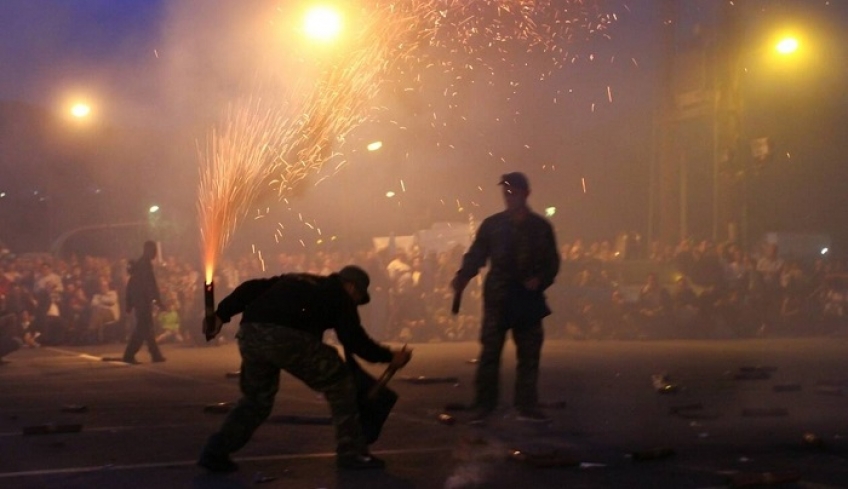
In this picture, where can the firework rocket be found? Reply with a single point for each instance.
(209, 301)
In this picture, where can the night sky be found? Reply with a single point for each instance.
(158, 75)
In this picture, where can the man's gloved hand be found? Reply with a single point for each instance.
(458, 284)
(400, 358)
(212, 326)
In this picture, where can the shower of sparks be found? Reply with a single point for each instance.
(275, 144)
(235, 165)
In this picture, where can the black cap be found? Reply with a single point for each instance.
(515, 180)
(359, 278)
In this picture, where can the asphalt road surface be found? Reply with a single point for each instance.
(719, 413)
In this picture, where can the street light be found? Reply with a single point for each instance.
(785, 53)
(787, 45)
(81, 110)
(322, 23)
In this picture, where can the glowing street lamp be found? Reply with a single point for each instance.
(788, 45)
(786, 55)
(322, 23)
(81, 110)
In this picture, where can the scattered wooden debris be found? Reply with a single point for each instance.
(218, 408)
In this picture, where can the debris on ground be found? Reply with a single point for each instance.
(812, 440)
(74, 408)
(218, 408)
(662, 384)
(260, 478)
(547, 459)
(754, 373)
(447, 419)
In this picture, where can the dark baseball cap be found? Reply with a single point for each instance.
(515, 180)
(359, 278)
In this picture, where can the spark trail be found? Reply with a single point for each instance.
(266, 143)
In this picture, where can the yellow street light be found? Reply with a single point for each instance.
(322, 23)
(787, 45)
(81, 110)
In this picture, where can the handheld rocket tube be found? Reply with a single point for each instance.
(209, 318)
(457, 300)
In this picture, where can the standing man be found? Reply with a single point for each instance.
(521, 249)
(142, 293)
(282, 328)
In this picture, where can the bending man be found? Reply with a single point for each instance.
(282, 327)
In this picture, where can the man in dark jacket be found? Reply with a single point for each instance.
(282, 327)
(523, 258)
(142, 294)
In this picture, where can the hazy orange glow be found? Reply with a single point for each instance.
(80, 110)
(322, 23)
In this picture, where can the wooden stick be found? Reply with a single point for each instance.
(384, 379)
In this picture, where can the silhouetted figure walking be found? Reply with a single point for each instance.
(142, 293)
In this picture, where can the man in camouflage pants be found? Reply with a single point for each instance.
(282, 326)
(521, 249)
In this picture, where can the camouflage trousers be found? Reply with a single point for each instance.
(265, 350)
(528, 339)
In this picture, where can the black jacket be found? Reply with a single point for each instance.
(310, 303)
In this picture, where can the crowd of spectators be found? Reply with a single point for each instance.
(615, 289)
(698, 290)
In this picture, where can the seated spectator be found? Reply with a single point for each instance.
(653, 308)
(169, 322)
(105, 313)
(686, 308)
(29, 332)
(75, 309)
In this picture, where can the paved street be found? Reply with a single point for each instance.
(724, 409)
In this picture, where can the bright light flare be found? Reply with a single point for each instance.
(153, 209)
(375, 146)
(787, 46)
(322, 23)
(80, 110)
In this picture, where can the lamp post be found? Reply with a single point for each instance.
(743, 146)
